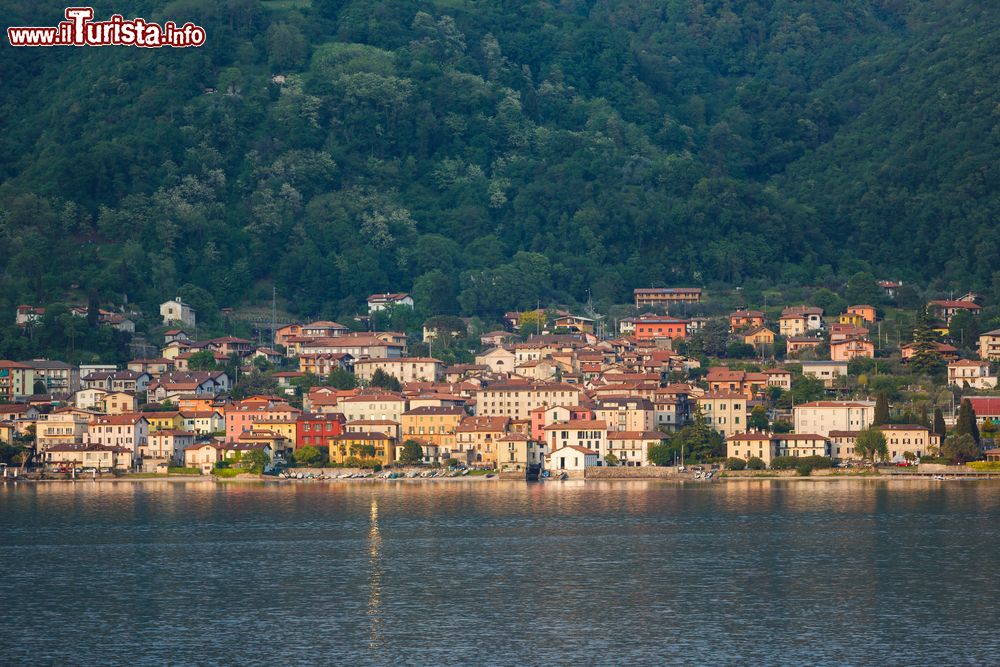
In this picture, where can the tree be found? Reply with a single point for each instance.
(309, 455)
(382, 379)
(735, 463)
(532, 321)
(756, 463)
(807, 388)
(254, 383)
(411, 453)
(341, 378)
(926, 357)
(254, 460)
(202, 360)
(963, 329)
(871, 444)
(909, 456)
(939, 427)
(881, 409)
(960, 448)
(611, 460)
(861, 288)
(758, 419)
(661, 454)
(966, 423)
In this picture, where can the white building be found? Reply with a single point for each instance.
(175, 310)
(974, 373)
(377, 302)
(827, 371)
(572, 458)
(821, 417)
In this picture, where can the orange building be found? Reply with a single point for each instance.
(650, 328)
(743, 319)
(866, 312)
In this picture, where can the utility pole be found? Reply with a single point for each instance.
(274, 315)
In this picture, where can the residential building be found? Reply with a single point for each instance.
(866, 312)
(800, 320)
(665, 296)
(947, 352)
(747, 383)
(758, 336)
(590, 434)
(434, 425)
(632, 447)
(827, 371)
(852, 348)
(989, 345)
(650, 327)
(377, 302)
(362, 346)
(945, 309)
(405, 369)
(314, 429)
(821, 417)
(633, 414)
(57, 376)
(518, 400)
(975, 374)
(476, 439)
(517, 452)
(176, 311)
(378, 446)
(778, 377)
(17, 380)
(725, 411)
(116, 402)
(130, 431)
(913, 438)
(383, 405)
(61, 427)
(322, 365)
(498, 359)
(802, 444)
(796, 344)
(745, 319)
(164, 449)
(745, 446)
(572, 458)
(88, 455)
(323, 329)
(203, 455)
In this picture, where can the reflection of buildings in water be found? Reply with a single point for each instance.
(374, 580)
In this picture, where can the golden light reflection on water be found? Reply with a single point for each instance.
(375, 638)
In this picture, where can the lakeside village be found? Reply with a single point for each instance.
(550, 393)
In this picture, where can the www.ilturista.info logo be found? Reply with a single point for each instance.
(80, 30)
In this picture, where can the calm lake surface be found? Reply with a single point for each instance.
(756, 572)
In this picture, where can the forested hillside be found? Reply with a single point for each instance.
(486, 155)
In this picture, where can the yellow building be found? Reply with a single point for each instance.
(433, 424)
(286, 428)
(854, 319)
(368, 445)
(759, 336)
(164, 421)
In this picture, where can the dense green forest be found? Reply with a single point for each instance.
(489, 154)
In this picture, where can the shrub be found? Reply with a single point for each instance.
(804, 464)
(226, 472)
(756, 463)
(985, 466)
(177, 470)
(735, 463)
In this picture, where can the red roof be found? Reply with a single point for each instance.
(985, 406)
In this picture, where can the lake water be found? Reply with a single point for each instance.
(751, 572)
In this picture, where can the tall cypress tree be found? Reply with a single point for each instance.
(939, 427)
(924, 420)
(967, 421)
(881, 409)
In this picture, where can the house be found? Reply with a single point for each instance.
(800, 320)
(176, 335)
(276, 444)
(362, 445)
(517, 452)
(827, 371)
(476, 439)
(945, 309)
(665, 296)
(434, 425)
(779, 377)
(57, 376)
(745, 319)
(890, 287)
(757, 336)
(384, 405)
(17, 380)
(362, 346)
(989, 345)
(91, 399)
(913, 438)
(164, 449)
(725, 411)
(282, 334)
(851, 319)
(62, 426)
(166, 420)
(231, 346)
(176, 311)
(572, 458)
(130, 381)
(314, 429)
(88, 455)
(377, 302)
(496, 338)
(722, 379)
(323, 329)
(632, 447)
(575, 323)
(116, 402)
(404, 369)
(985, 407)
(25, 315)
(947, 352)
(821, 417)
(247, 414)
(797, 344)
(324, 364)
(204, 422)
(155, 367)
(975, 374)
(852, 348)
(745, 446)
(203, 455)
(589, 434)
(652, 327)
(130, 431)
(864, 311)
(517, 399)
(627, 413)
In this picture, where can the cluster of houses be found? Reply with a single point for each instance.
(565, 401)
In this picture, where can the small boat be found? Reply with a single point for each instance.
(940, 478)
(490, 475)
(465, 472)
